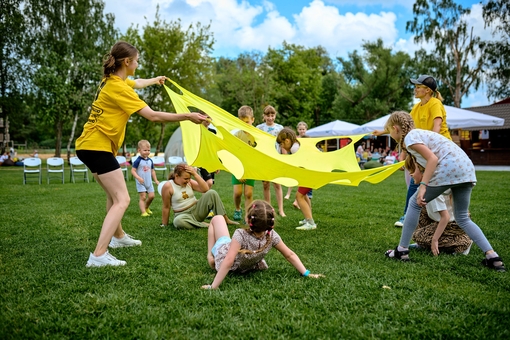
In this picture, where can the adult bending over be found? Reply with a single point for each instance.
(103, 134)
(179, 194)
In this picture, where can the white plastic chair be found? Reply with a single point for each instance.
(55, 165)
(122, 162)
(173, 161)
(159, 165)
(32, 166)
(78, 167)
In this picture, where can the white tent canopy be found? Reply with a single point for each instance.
(455, 118)
(335, 128)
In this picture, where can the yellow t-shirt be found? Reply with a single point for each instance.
(424, 115)
(116, 100)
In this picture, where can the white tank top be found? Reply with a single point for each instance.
(183, 197)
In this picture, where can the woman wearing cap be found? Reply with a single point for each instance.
(428, 114)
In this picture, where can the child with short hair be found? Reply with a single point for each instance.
(245, 113)
(446, 167)
(288, 144)
(272, 128)
(143, 172)
(247, 249)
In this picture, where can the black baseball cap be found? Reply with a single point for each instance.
(426, 80)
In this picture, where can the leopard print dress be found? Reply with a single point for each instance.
(453, 240)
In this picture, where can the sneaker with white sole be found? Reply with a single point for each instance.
(400, 222)
(106, 259)
(466, 252)
(126, 241)
(302, 222)
(307, 226)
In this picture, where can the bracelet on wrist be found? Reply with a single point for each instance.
(209, 287)
(423, 183)
(306, 273)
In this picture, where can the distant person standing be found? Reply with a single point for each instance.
(272, 128)
(102, 136)
(144, 173)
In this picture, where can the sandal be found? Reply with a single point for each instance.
(495, 263)
(398, 255)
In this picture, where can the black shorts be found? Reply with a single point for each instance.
(99, 162)
(206, 175)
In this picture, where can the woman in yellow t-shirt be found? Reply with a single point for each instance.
(102, 135)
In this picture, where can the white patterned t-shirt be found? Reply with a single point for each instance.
(453, 165)
(272, 130)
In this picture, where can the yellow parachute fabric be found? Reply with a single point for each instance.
(308, 167)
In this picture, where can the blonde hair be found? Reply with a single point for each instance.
(403, 120)
(245, 112)
(410, 164)
(142, 143)
(260, 218)
(269, 110)
(438, 95)
(302, 123)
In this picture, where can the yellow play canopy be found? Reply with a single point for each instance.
(309, 167)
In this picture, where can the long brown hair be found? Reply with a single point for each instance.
(178, 170)
(287, 133)
(120, 51)
(260, 217)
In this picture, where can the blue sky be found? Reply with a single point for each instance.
(340, 26)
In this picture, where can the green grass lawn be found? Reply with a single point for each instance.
(48, 231)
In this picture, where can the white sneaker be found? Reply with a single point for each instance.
(400, 222)
(106, 259)
(126, 241)
(307, 226)
(302, 222)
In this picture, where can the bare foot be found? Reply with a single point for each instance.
(287, 197)
(295, 205)
(282, 214)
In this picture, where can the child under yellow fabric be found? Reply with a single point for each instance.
(288, 144)
(143, 172)
(245, 113)
(247, 249)
(272, 128)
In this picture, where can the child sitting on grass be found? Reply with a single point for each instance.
(247, 248)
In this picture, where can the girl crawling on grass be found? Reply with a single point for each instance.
(248, 247)
(446, 167)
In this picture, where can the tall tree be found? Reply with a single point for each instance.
(166, 48)
(458, 54)
(12, 75)
(245, 80)
(373, 84)
(297, 75)
(497, 16)
(69, 39)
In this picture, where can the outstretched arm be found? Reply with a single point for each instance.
(162, 117)
(141, 83)
(166, 196)
(294, 259)
(225, 265)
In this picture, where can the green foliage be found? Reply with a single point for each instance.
(497, 16)
(170, 50)
(373, 84)
(47, 232)
(66, 40)
(458, 55)
(297, 76)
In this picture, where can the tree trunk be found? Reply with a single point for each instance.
(58, 142)
(161, 137)
(71, 137)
